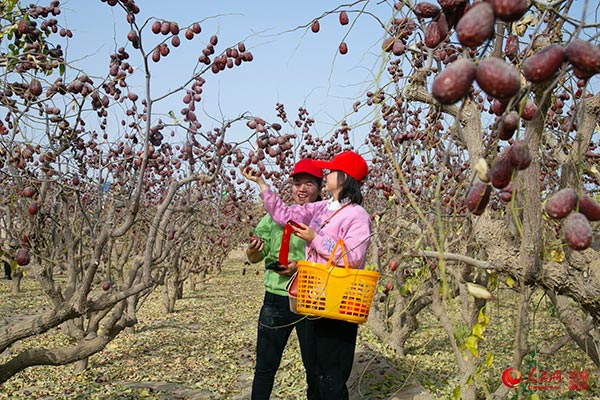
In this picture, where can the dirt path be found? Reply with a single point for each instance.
(374, 377)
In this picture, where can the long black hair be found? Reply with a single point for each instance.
(350, 188)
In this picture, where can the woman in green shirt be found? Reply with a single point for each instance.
(276, 321)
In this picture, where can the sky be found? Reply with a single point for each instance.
(292, 65)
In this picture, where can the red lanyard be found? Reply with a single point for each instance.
(285, 245)
(332, 215)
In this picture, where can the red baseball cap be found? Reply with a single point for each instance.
(306, 166)
(349, 162)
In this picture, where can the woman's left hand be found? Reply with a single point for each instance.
(289, 270)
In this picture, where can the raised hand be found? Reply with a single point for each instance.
(251, 174)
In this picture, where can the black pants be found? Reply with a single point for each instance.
(334, 345)
(275, 324)
(7, 271)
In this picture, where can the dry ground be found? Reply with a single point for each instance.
(205, 350)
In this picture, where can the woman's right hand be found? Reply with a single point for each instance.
(251, 174)
(255, 248)
(256, 244)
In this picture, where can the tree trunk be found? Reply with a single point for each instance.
(62, 356)
(15, 283)
(465, 360)
(202, 278)
(80, 365)
(130, 312)
(581, 331)
(170, 291)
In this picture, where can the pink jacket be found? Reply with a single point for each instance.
(352, 224)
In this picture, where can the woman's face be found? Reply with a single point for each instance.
(305, 189)
(332, 182)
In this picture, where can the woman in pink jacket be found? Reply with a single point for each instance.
(321, 225)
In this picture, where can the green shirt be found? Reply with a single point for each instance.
(271, 234)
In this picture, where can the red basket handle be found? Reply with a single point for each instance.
(339, 243)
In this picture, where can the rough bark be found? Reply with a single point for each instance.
(579, 328)
(62, 356)
(397, 325)
(15, 283)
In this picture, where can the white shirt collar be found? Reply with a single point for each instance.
(333, 205)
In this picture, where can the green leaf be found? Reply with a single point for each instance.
(471, 345)
(478, 330)
(483, 319)
(460, 332)
(456, 393)
(370, 267)
(510, 282)
(493, 281)
(403, 290)
(489, 359)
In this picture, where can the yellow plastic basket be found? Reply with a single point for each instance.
(335, 292)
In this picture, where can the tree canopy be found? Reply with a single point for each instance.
(482, 145)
